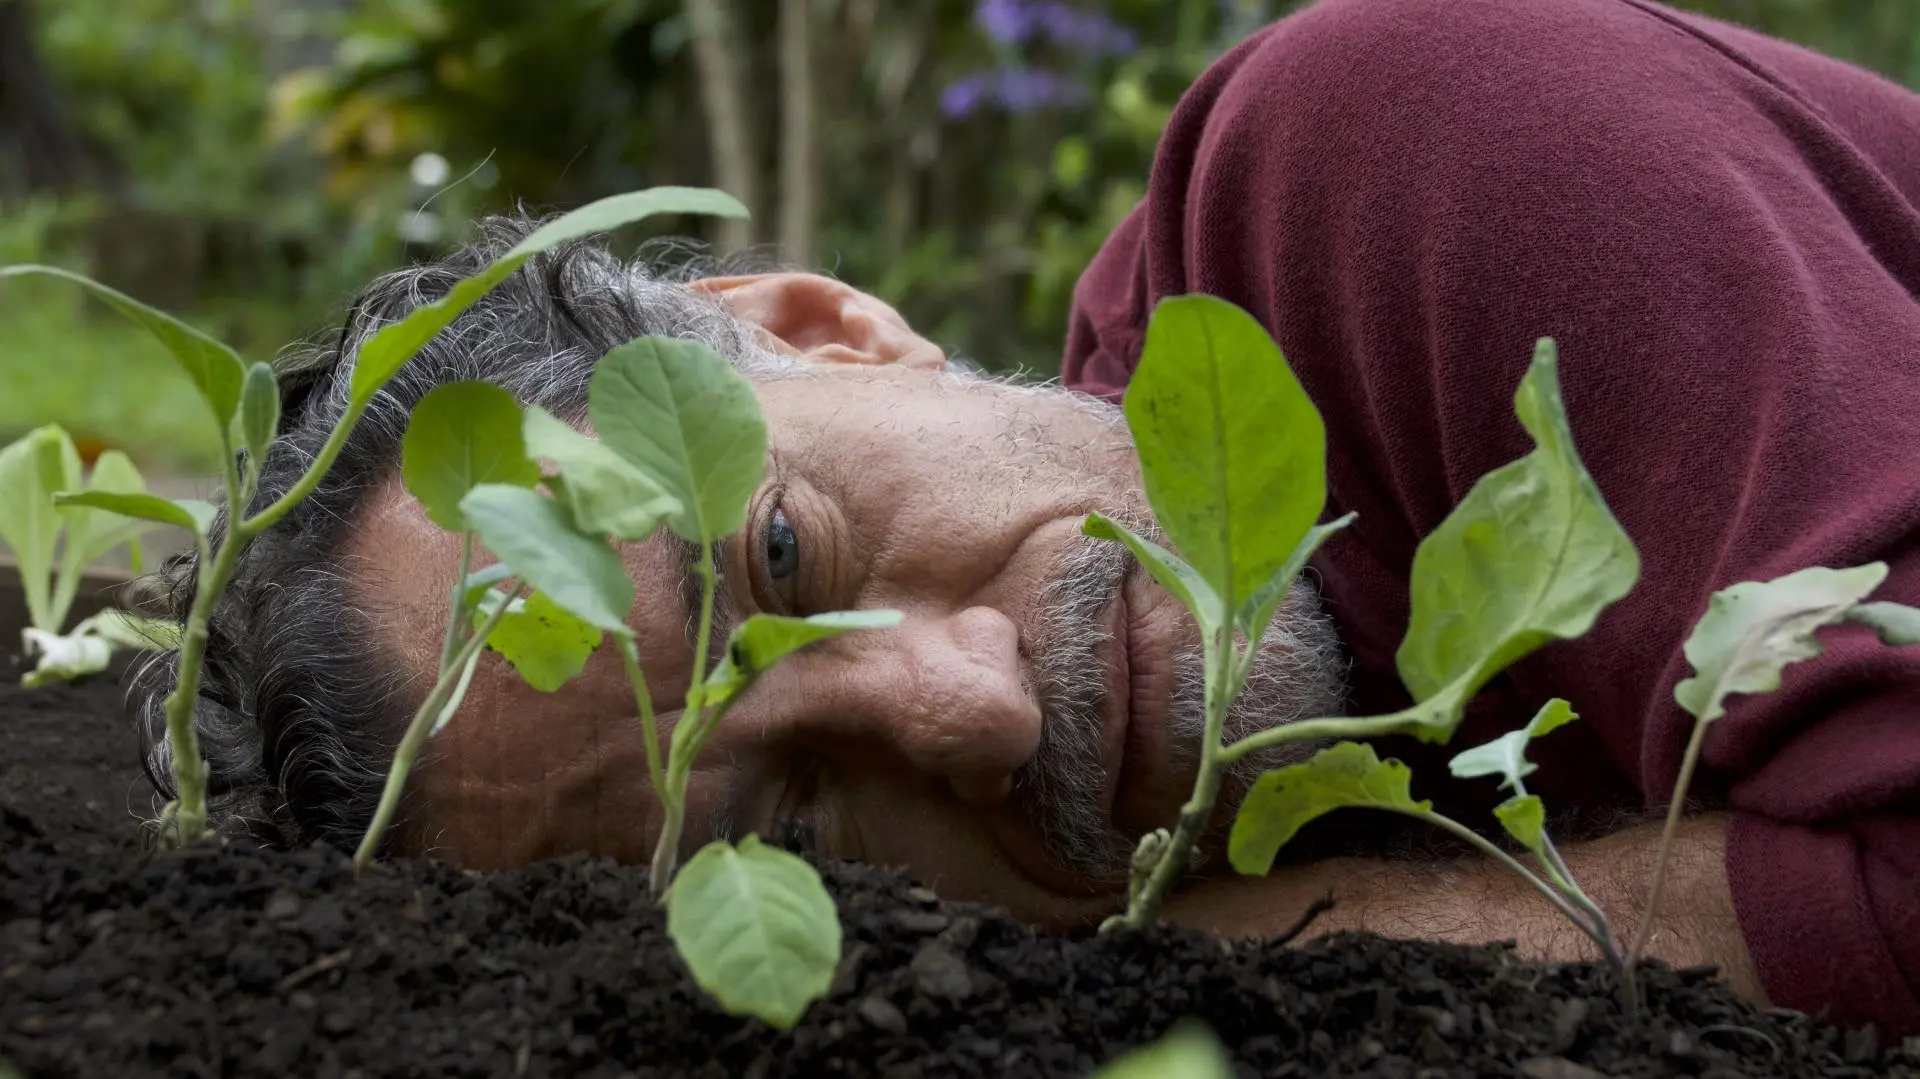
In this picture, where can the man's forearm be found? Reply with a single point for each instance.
(1474, 900)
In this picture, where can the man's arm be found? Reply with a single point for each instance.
(1473, 900)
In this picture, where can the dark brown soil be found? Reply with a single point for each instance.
(246, 962)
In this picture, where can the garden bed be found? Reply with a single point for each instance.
(247, 962)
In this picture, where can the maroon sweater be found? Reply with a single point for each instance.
(1721, 232)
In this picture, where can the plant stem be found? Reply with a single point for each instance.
(1143, 905)
(183, 737)
(451, 643)
(666, 850)
(309, 479)
(439, 698)
(688, 735)
(1342, 728)
(189, 771)
(1563, 903)
(643, 699)
(1664, 855)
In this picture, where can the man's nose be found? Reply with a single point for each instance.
(950, 694)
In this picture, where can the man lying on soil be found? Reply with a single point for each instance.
(1720, 231)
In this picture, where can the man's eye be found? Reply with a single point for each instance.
(782, 547)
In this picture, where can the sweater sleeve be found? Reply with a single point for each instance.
(1713, 226)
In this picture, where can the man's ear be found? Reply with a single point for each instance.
(824, 321)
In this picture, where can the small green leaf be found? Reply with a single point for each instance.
(763, 640)
(461, 435)
(1506, 756)
(32, 470)
(1232, 451)
(1525, 819)
(124, 629)
(388, 350)
(1257, 611)
(1283, 801)
(757, 929)
(482, 579)
(213, 368)
(91, 533)
(1752, 630)
(688, 420)
(1897, 623)
(1174, 575)
(1188, 1051)
(259, 410)
(537, 540)
(189, 513)
(606, 494)
(1531, 555)
(545, 643)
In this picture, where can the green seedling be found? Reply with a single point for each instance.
(681, 443)
(459, 436)
(55, 543)
(1349, 774)
(245, 404)
(1232, 455)
(1751, 631)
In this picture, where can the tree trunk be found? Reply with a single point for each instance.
(799, 142)
(40, 148)
(718, 53)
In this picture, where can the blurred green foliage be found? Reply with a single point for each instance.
(268, 156)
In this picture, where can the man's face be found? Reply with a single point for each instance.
(1035, 712)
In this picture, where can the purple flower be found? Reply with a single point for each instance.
(1009, 22)
(1090, 33)
(963, 96)
(1086, 32)
(1017, 89)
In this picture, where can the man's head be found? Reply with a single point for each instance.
(1037, 710)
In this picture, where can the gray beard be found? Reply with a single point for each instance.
(1299, 673)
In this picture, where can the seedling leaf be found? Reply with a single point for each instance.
(1506, 756)
(1897, 623)
(124, 629)
(1752, 630)
(92, 532)
(763, 640)
(189, 513)
(1189, 1051)
(604, 491)
(687, 419)
(534, 537)
(1174, 575)
(545, 643)
(32, 469)
(214, 369)
(1232, 452)
(1532, 554)
(459, 436)
(394, 345)
(1257, 611)
(756, 928)
(259, 410)
(1283, 801)
(1525, 819)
